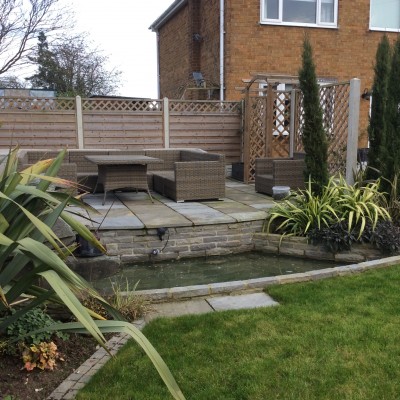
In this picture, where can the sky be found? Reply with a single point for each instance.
(120, 28)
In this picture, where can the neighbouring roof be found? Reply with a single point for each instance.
(167, 14)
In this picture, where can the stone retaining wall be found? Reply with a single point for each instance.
(180, 242)
(298, 247)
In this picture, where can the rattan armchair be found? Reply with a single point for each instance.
(272, 172)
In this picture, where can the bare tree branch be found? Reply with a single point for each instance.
(20, 24)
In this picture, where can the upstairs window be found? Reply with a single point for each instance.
(321, 13)
(385, 15)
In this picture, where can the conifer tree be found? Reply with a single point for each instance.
(391, 146)
(314, 136)
(377, 124)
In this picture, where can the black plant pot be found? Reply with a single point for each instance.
(85, 248)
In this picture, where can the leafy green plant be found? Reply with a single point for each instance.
(42, 355)
(361, 204)
(32, 321)
(28, 211)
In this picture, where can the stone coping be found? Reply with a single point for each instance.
(213, 289)
(69, 388)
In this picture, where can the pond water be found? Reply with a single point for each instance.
(199, 271)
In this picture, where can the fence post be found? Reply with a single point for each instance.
(292, 122)
(79, 122)
(166, 122)
(269, 121)
(352, 137)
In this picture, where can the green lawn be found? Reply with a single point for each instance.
(332, 339)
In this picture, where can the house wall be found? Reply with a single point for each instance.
(209, 51)
(174, 54)
(343, 53)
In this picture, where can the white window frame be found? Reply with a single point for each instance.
(279, 21)
(376, 28)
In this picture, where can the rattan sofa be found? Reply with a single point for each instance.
(182, 175)
(270, 172)
(196, 175)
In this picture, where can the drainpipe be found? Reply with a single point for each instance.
(158, 65)
(221, 49)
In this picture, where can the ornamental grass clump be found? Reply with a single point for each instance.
(339, 204)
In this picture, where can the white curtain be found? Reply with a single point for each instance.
(327, 10)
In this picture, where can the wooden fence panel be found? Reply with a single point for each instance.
(214, 133)
(136, 130)
(53, 123)
(33, 129)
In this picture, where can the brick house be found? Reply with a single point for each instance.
(228, 41)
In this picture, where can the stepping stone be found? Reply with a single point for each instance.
(175, 309)
(238, 302)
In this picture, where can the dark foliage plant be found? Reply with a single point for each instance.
(337, 237)
(386, 237)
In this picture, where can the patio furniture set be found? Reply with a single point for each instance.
(178, 174)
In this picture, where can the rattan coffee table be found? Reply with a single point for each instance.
(122, 171)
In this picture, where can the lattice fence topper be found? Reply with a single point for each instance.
(37, 104)
(206, 106)
(99, 104)
(334, 100)
(280, 124)
(257, 139)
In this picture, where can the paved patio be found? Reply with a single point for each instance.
(131, 210)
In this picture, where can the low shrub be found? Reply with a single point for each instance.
(386, 237)
(336, 237)
(43, 356)
(25, 327)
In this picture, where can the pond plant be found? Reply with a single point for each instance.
(33, 272)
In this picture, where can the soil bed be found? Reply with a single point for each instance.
(37, 384)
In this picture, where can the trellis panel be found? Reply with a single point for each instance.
(334, 100)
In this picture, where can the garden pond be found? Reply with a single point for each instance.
(207, 270)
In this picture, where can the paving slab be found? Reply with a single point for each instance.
(175, 309)
(238, 302)
(116, 218)
(157, 214)
(243, 197)
(201, 214)
(249, 216)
